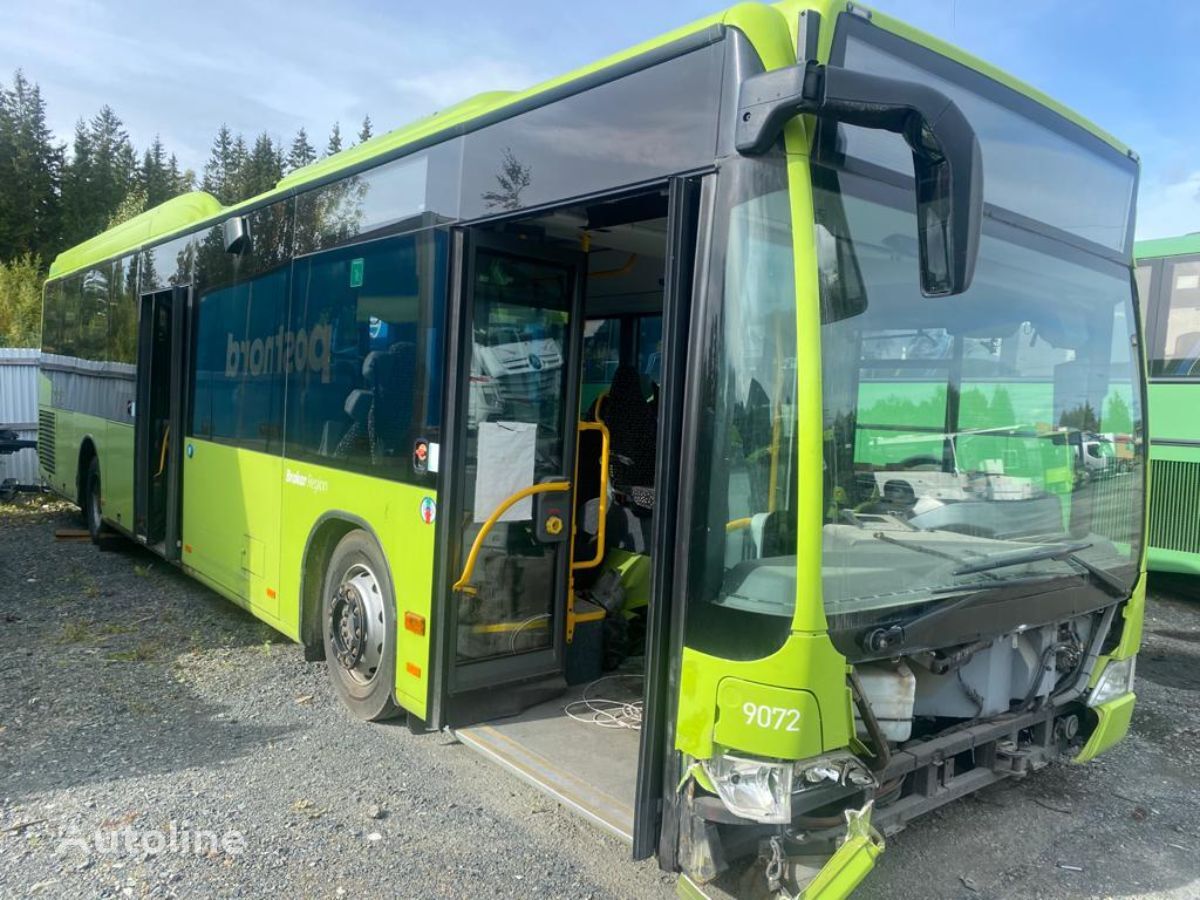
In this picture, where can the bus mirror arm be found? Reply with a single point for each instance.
(947, 164)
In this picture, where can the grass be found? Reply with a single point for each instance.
(146, 651)
(76, 631)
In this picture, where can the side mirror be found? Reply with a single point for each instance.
(947, 165)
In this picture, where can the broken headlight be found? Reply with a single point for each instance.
(752, 788)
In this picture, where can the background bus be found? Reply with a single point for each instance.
(832, 500)
(1168, 279)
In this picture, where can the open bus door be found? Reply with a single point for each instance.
(505, 540)
(504, 618)
(158, 418)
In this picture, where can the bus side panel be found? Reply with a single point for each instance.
(1174, 538)
(116, 463)
(71, 430)
(231, 521)
(401, 516)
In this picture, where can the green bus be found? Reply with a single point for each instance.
(1168, 279)
(699, 435)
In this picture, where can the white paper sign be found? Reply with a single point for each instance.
(504, 466)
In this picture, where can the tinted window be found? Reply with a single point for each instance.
(646, 125)
(415, 191)
(649, 348)
(242, 348)
(368, 383)
(1034, 164)
(1178, 352)
(122, 312)
(170, 264)
(93, 315)
(242, 352)
(601, 356)
(71, 302)
(52, 318)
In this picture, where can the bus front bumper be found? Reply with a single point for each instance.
(837, 879)
(1113, 724)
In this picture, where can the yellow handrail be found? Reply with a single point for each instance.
(605, 444)
(464, 582)
(162, 457)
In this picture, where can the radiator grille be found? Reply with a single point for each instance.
(1175, 505)
(46, 440)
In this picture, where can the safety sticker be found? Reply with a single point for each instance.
(428, 510)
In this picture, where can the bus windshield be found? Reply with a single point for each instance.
(1005, 419)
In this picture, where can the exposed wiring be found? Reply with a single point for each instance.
(592, 710)
(512, 644)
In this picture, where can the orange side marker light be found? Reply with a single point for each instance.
(415, 623)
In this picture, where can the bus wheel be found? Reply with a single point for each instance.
(91, 500)
(359, 625)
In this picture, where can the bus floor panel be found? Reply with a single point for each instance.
(589, 768)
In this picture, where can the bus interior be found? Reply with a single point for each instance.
(581, 743)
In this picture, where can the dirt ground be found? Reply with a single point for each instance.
(135, 703)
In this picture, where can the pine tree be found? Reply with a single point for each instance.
(365, 133)
(335, 140)
(181, 181)
(262, 168)
(221, 172)
(158, 184)
(114, 166)
(30, 174)
(77, 203)
(302, 152)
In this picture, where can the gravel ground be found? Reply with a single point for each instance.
(134, 703)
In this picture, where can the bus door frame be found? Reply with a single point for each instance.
(689, 215)
(178, 300)
(505, 685)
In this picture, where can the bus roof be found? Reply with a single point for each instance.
(1172, 246)
(760, 22)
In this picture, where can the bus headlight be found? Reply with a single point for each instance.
(1116, 680)
(752, 788)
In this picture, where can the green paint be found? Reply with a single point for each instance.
(1182, 245)
(1113, 725)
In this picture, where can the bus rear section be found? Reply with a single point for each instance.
(1168, 280)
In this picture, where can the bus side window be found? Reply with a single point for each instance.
(351, 397)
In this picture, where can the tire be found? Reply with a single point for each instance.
(93, 513)
(358, 624)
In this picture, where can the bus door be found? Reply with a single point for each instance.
(158, 419)
(507, 474)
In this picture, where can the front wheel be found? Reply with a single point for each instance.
(358, 613)
(91, 500)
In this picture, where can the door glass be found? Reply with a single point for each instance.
(1178, 353)
(516, 437)
(649, 349)
(601, 356)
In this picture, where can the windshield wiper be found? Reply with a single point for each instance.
(888, 638)
(1008, 558)
(1068, 553)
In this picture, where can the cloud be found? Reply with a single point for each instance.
(1170, 209)
(441, 87)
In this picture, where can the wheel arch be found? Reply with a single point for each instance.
(87, 452)
(328, 529)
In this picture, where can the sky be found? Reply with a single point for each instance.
(182, 69)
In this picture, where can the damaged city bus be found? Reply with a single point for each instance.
(695, 435)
